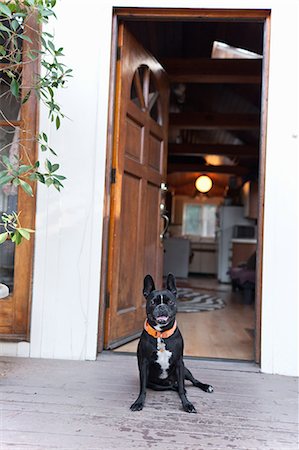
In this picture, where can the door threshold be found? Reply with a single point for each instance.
(250, 362)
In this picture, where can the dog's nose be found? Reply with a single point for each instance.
(161, 309)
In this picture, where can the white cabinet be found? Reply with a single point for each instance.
(204, 258)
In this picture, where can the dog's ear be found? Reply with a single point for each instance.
(170, 284)
(148, 286)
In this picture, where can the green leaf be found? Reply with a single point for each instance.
(51, 46)
(48, 34)
(15, 25)
(54, 168)
(6, 161)
(60, 177)
(29, 230)
(31, 55)
(40, 177)
(14, 87)
(16, 237)
(45, 137)
(51, 92)
(25, 233)
(2, 50)
(3, 237)
(26, 98)
(5, 10)
(4, 28)
(49, 181)
(23, 168)
(48, 166)
(26, 187)
(25, 38)
(5, 180)
(57, 122)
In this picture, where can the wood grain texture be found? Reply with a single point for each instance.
(85, 405)
(207, 70)
(139, 156)
(190, 13)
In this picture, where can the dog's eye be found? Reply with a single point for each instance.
(152, 301)
(170, 301)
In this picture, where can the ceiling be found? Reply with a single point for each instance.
(214, 122)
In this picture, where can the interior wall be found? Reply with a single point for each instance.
(69, 225)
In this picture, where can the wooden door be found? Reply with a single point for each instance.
(139, 168)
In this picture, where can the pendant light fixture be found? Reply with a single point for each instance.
(203, 184)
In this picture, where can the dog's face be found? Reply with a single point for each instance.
(160, 305)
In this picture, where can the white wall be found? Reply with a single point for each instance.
(280, 285)
(69, 225)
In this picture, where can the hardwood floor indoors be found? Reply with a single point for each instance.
(227, 333)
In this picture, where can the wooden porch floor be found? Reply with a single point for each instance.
(50, 404)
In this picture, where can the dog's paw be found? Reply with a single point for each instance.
(137, 406)
(210, 389)
(189, 408)
(206, 387)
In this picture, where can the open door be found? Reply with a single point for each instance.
(139, 168)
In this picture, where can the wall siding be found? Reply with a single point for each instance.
(69, 225)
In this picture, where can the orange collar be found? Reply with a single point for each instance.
(159, 334)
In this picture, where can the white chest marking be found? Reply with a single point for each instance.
(163, 358)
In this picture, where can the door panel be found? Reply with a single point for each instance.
(139, 157)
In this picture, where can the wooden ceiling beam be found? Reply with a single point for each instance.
(191, 167)
(213, 121)
(213, 149)
(207, 70)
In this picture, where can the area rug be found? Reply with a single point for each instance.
(189, 300)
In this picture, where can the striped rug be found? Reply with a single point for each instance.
(189, 300)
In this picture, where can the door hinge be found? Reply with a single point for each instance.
(107, 300)
(113, 175)
(118, 53)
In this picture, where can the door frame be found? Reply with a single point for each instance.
(17, 305)
(171, 15)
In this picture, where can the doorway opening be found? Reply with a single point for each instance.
(213, 245)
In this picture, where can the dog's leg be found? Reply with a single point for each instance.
(180, 371)
(143, 376)
(202, 386)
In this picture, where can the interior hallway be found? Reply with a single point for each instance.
(226, 333)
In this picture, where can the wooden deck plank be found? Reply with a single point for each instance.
(50, 404)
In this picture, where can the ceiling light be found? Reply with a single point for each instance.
(203, 184)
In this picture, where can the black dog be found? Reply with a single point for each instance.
(160, 349)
